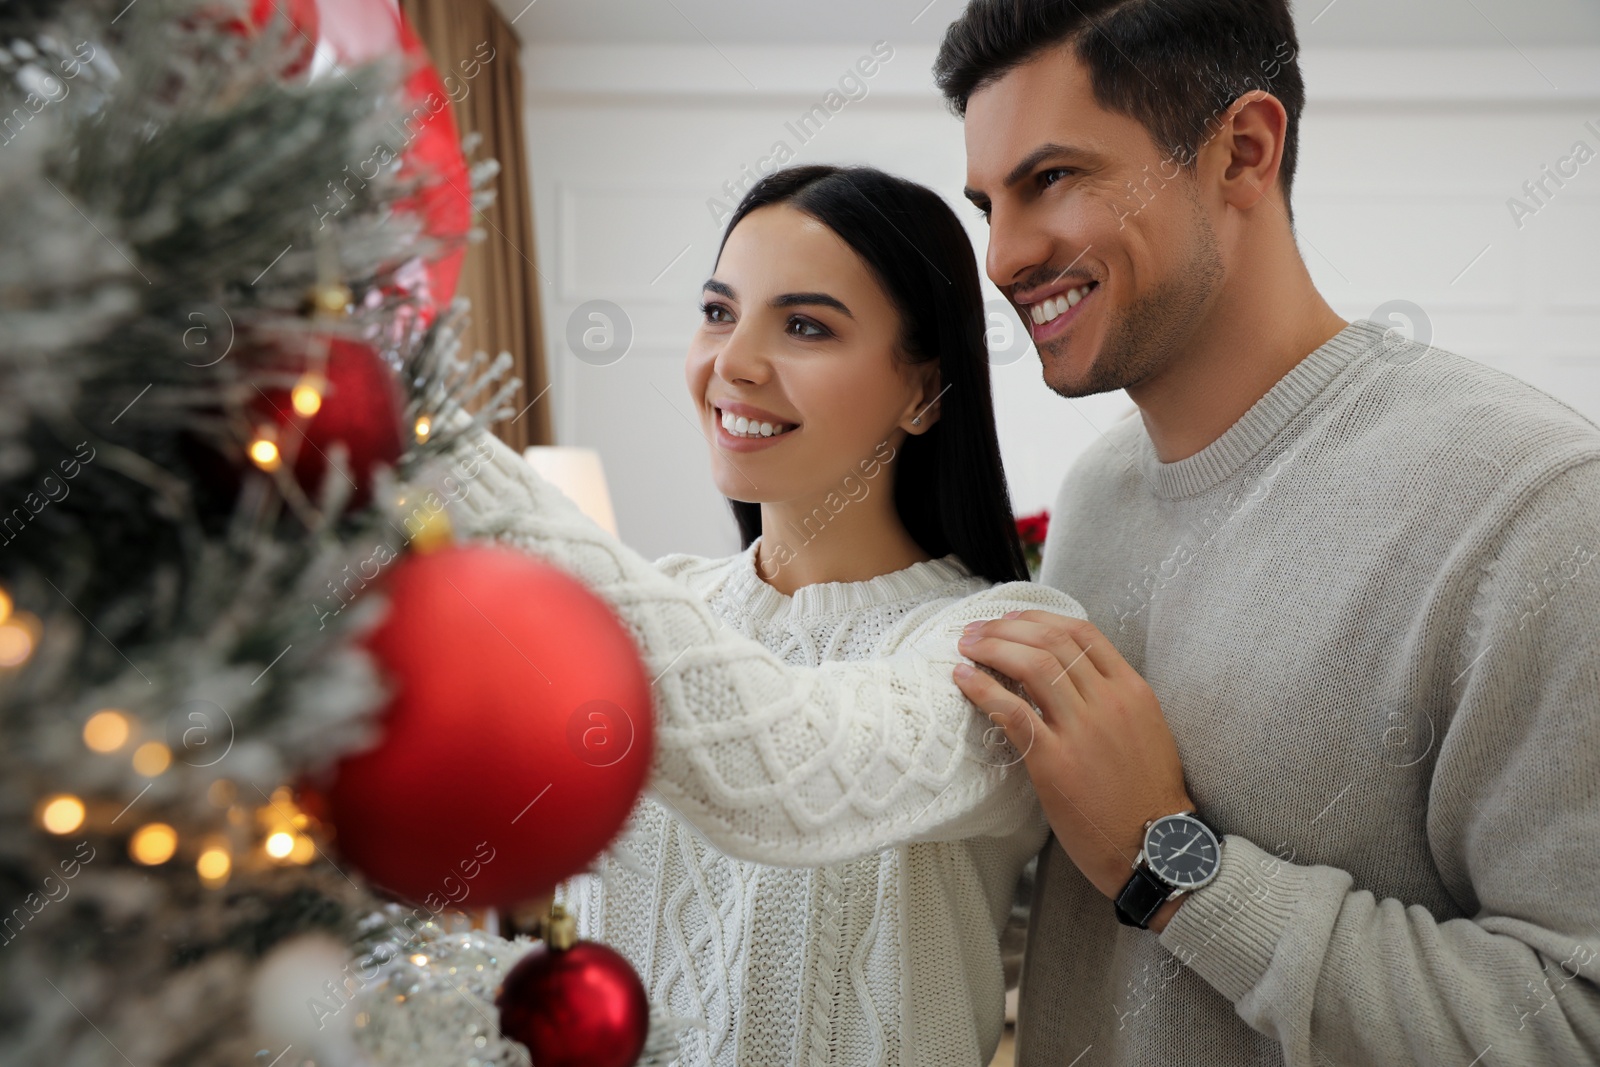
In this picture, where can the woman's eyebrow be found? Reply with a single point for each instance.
(789, 300)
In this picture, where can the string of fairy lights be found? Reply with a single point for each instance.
(325, 301)
(277, 833)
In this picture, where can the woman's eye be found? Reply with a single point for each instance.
(799, 327)
(716, 313)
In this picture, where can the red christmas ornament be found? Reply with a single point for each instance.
(579, 1007)
(518, 739)
(353, 397)
(427, 143)
(444, 201)
(356, 31)
(299, 28)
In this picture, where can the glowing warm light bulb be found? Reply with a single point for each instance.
(5, 605)
(304, 850)
(424, 428)
(306, 396)
(264, 453)
(61, 814)
(106, 731)
(280, 844)
(214, 865)
(152, 758)
(153, 844)
(16, 643)
(420, 960)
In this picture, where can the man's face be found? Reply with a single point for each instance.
(1102, 242)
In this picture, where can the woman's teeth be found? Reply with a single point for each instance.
(1046, 310)
(739, 426)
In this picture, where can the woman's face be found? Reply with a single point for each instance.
(800, 342)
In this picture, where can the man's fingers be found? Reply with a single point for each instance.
(1098, 648)
(1010, 714)
(1052, 635)
(1051, 682)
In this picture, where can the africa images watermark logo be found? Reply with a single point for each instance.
(1537, 192)
(600, 732)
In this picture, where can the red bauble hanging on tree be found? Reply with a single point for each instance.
(352, 32)
(443, 202)
(300, 30)
(346, 394)
(428, 145)
(298, 27)
(518, 739)
(575, 1004)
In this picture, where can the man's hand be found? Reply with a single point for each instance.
(1101, 757)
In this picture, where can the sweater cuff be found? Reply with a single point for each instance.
(1228, 931)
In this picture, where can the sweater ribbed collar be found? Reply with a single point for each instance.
(1306, 385)
(759, 600)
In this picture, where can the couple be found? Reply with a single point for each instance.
(1315, 768)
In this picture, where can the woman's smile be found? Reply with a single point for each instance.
(744, 428)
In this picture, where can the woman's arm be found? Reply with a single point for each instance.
(792, 766)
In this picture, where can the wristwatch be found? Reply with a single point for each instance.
(1180, 853)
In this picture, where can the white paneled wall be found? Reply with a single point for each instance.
(1408, 161)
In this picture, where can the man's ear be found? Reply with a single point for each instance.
(1247, 150)
(924, 411)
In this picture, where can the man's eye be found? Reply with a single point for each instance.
(1054, 174)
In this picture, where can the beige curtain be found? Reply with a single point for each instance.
(498, 276)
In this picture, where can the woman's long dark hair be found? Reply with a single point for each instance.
(950, 490)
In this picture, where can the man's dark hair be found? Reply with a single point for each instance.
(1174, 65)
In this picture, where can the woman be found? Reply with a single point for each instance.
(827, 863)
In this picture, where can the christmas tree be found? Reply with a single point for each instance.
(233, 397)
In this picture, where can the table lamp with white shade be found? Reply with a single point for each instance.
(576, 472)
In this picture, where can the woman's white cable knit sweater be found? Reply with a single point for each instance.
(826, 862)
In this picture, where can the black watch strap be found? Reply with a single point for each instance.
(1141, 898)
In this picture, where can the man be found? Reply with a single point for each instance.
(1343, 590)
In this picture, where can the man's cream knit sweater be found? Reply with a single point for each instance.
(1371, 612)
(823, 873)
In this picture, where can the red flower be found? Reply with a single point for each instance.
(1033, 528)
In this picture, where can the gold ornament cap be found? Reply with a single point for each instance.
(434, 533)
(328, 300)
(560, 929)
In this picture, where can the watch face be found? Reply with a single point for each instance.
(1182, 851)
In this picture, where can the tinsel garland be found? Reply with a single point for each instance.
(433, 1000)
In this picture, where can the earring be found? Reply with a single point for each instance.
(917, 421)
